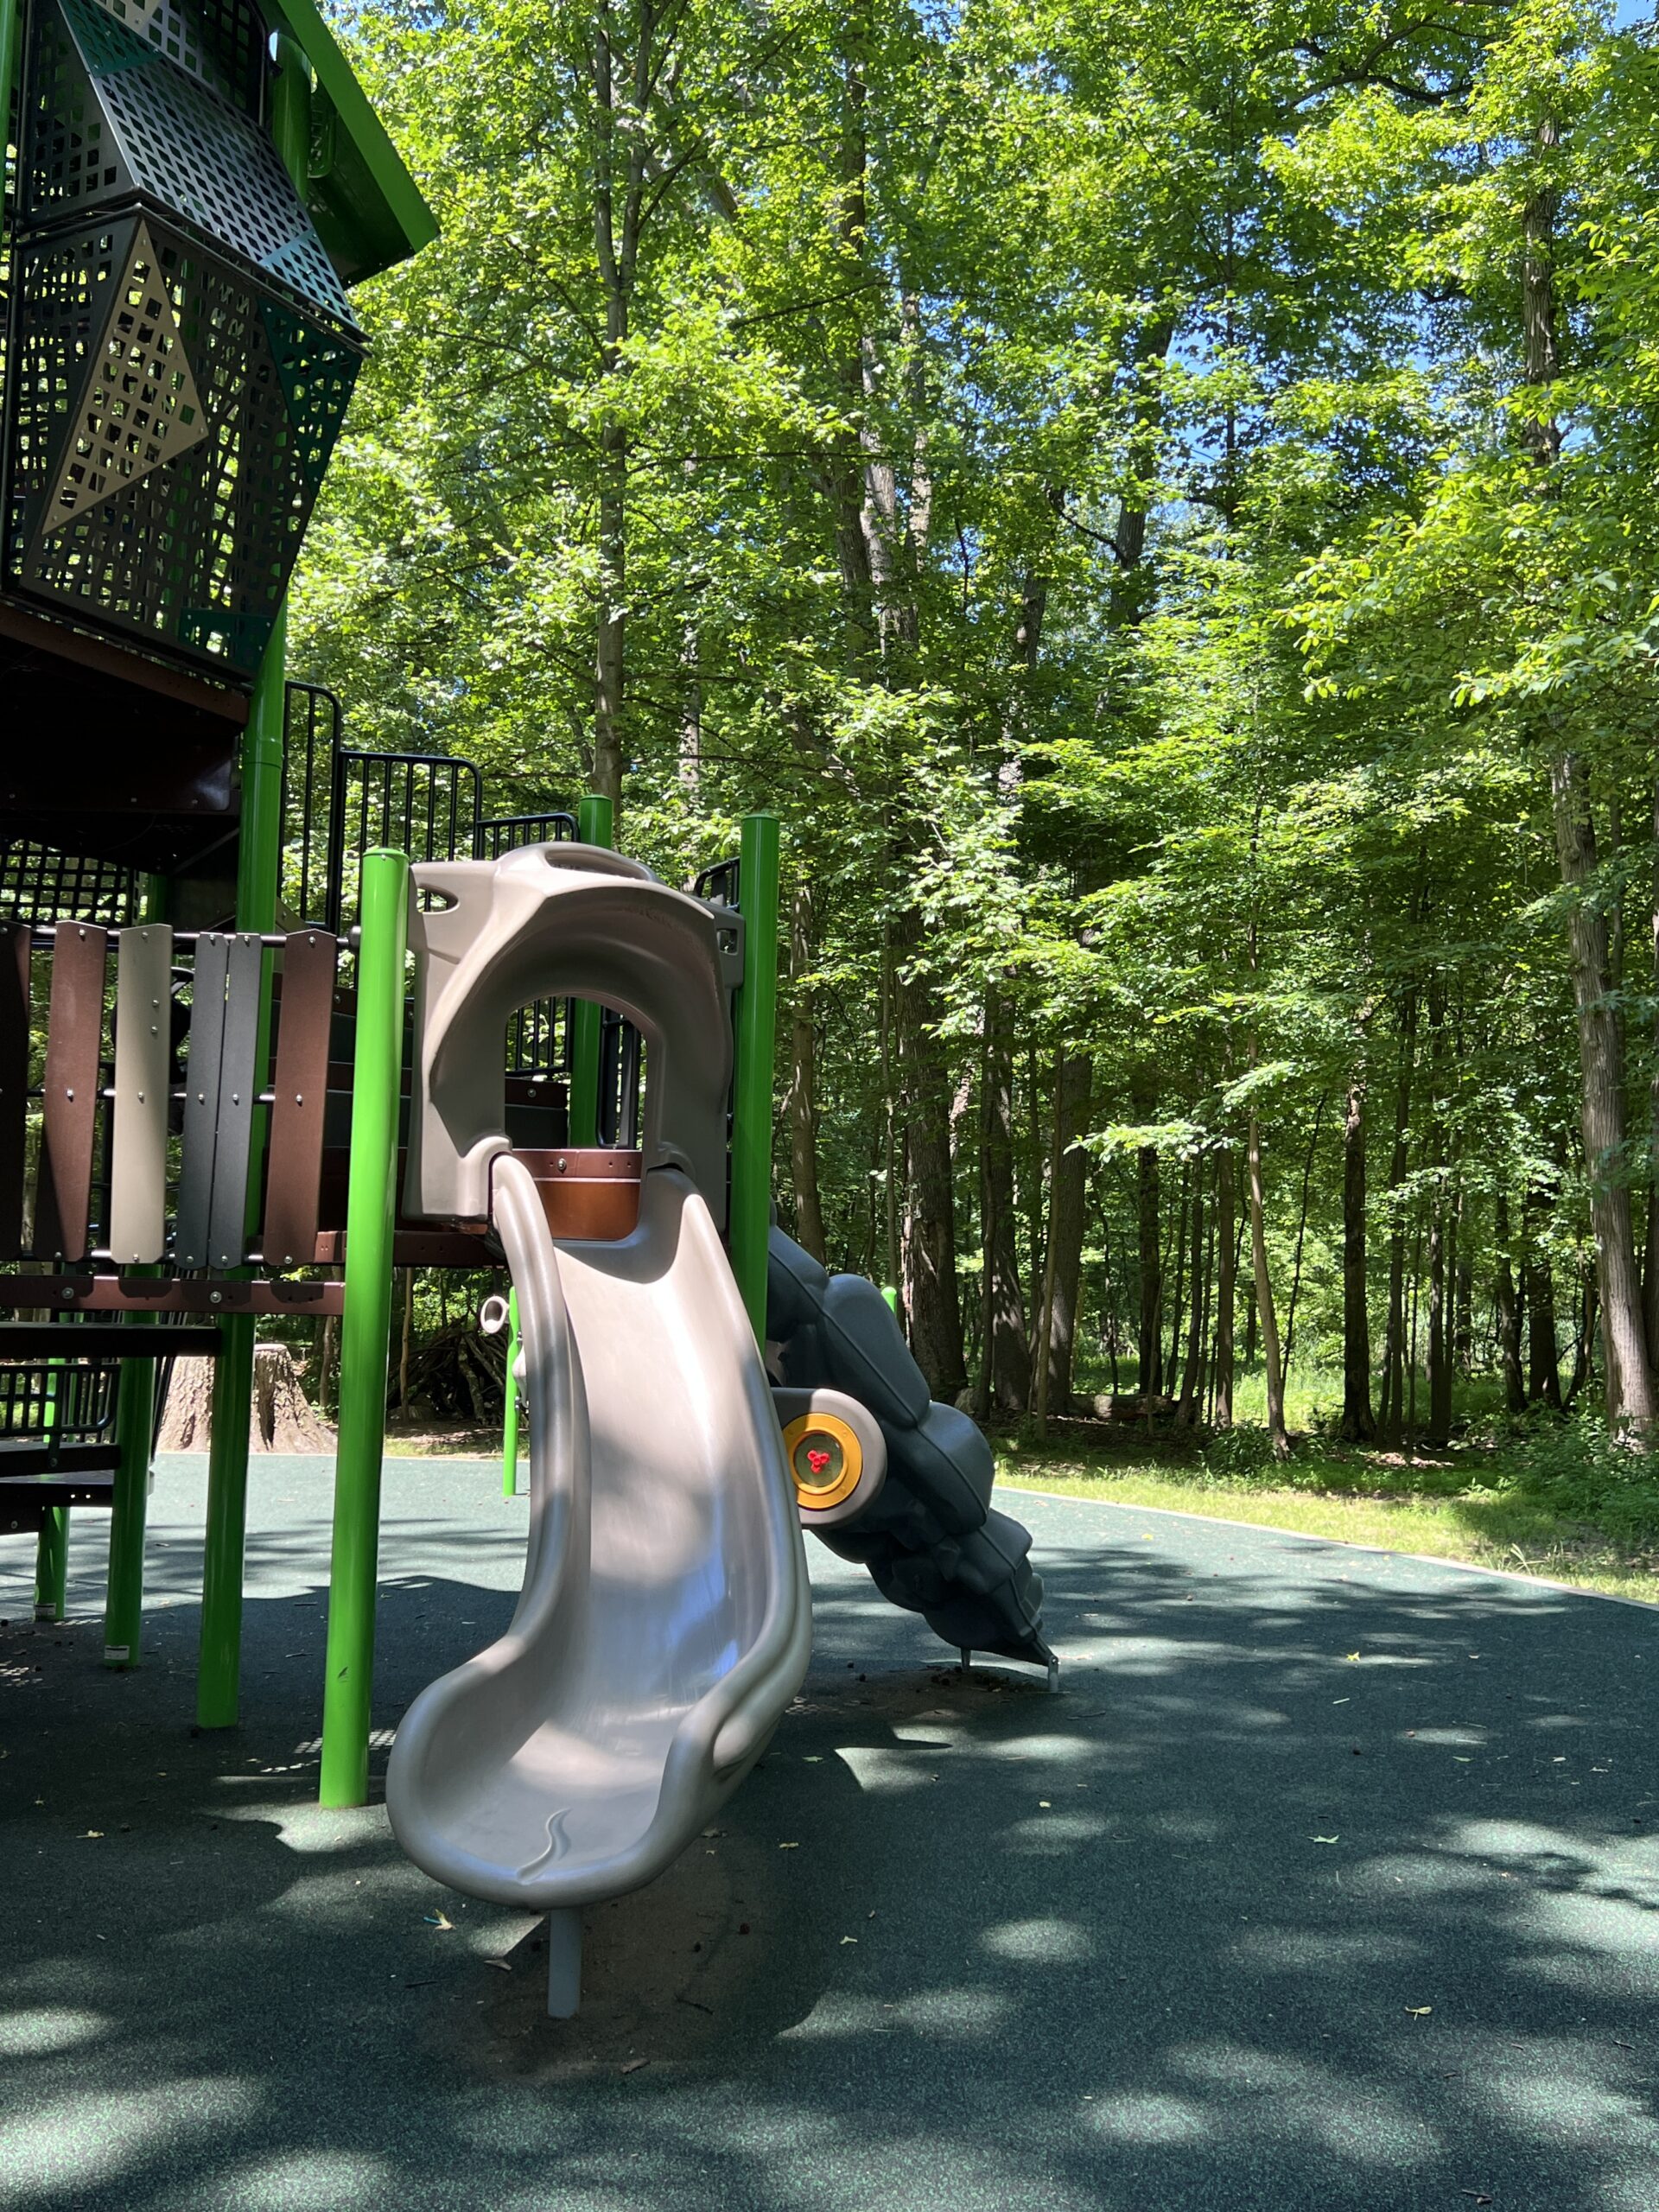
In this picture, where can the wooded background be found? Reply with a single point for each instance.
(1162, 500)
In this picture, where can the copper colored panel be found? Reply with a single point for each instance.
(69, 1111)
(587, 1194)
(13, 1081)
(300, 1085)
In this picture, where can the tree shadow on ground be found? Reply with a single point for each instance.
(1328, 1880)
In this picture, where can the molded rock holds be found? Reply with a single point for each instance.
(931, 1540)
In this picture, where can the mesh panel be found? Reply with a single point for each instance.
(191, 549)
(109, 118)
(220, 42)
(39, 885)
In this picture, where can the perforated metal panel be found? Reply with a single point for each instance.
(169, 422)
(220, 42)
(109, 118)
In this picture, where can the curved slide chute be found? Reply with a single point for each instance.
(665, 1617)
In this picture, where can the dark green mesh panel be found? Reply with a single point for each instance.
(169, 422)
(109, 118)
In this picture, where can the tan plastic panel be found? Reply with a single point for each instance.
(143, 998)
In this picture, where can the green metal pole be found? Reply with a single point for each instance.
(593, 827)
(52, 1551)
(366, 1331)
(258, 865)
(755, 1021)
(510, 1425)
(11, 24)
(135, 1432)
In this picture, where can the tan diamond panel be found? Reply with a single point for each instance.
(142, 409)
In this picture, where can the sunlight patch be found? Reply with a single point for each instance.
(1040, 1942)
(307, 2181)
(82, 2144)
(51, 2028)
(1148, 2120)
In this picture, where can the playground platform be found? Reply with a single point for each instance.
(1330, 1880)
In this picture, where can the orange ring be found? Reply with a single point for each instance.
(852, 1459)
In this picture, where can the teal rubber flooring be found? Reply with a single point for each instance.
(1328, 1881)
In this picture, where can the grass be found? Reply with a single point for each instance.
(1555, 1504)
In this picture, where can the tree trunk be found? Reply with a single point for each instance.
(1390, 1425)
(1067, 1208)
(1628, 1380)
(282, 1418)
(1543, 1345)
(1278, 1436)
(1650, 1273)
(1151, 1259)
(1357, 1425)
(1178, 1256)
(1187, 1410)
(1439, 1431)
(1301, 1232)
(932, 1302)
(1226, 1287)
(803, 1101)
(1005, 1380)
(1509, 1313)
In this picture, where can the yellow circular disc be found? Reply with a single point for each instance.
(825, 1459)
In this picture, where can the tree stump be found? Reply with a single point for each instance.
(283, 1419)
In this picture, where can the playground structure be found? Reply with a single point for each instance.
(209, 1128)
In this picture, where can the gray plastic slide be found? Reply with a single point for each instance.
(665, 1617)
(931, 1538)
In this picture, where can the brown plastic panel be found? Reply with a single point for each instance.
(587, 1193)
(300, 1085)
(14, 1083)
(69, 1111)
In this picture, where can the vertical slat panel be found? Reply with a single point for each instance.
(69, 1111)
(14, 1083)
(227, 1227)
(301, 1086)
(143, 980)
(201, 1100)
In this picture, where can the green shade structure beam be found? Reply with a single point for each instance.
(366, 1330)
(367, 207)
(593, 827)
(755, 1018)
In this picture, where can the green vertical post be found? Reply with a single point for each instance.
(366, 1331)
(51, 1550)
(135, 1433)
(593, 827)
(510, 1424)
(259, 852)
(755, 1019)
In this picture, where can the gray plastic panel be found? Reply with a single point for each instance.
(239, 1080)
(143, 983)
(190, 1233)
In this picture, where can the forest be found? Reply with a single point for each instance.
(1163, 503)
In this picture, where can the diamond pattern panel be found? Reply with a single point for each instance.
(141, 407)
(191, 550)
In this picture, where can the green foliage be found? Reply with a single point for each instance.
(1097, 474)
